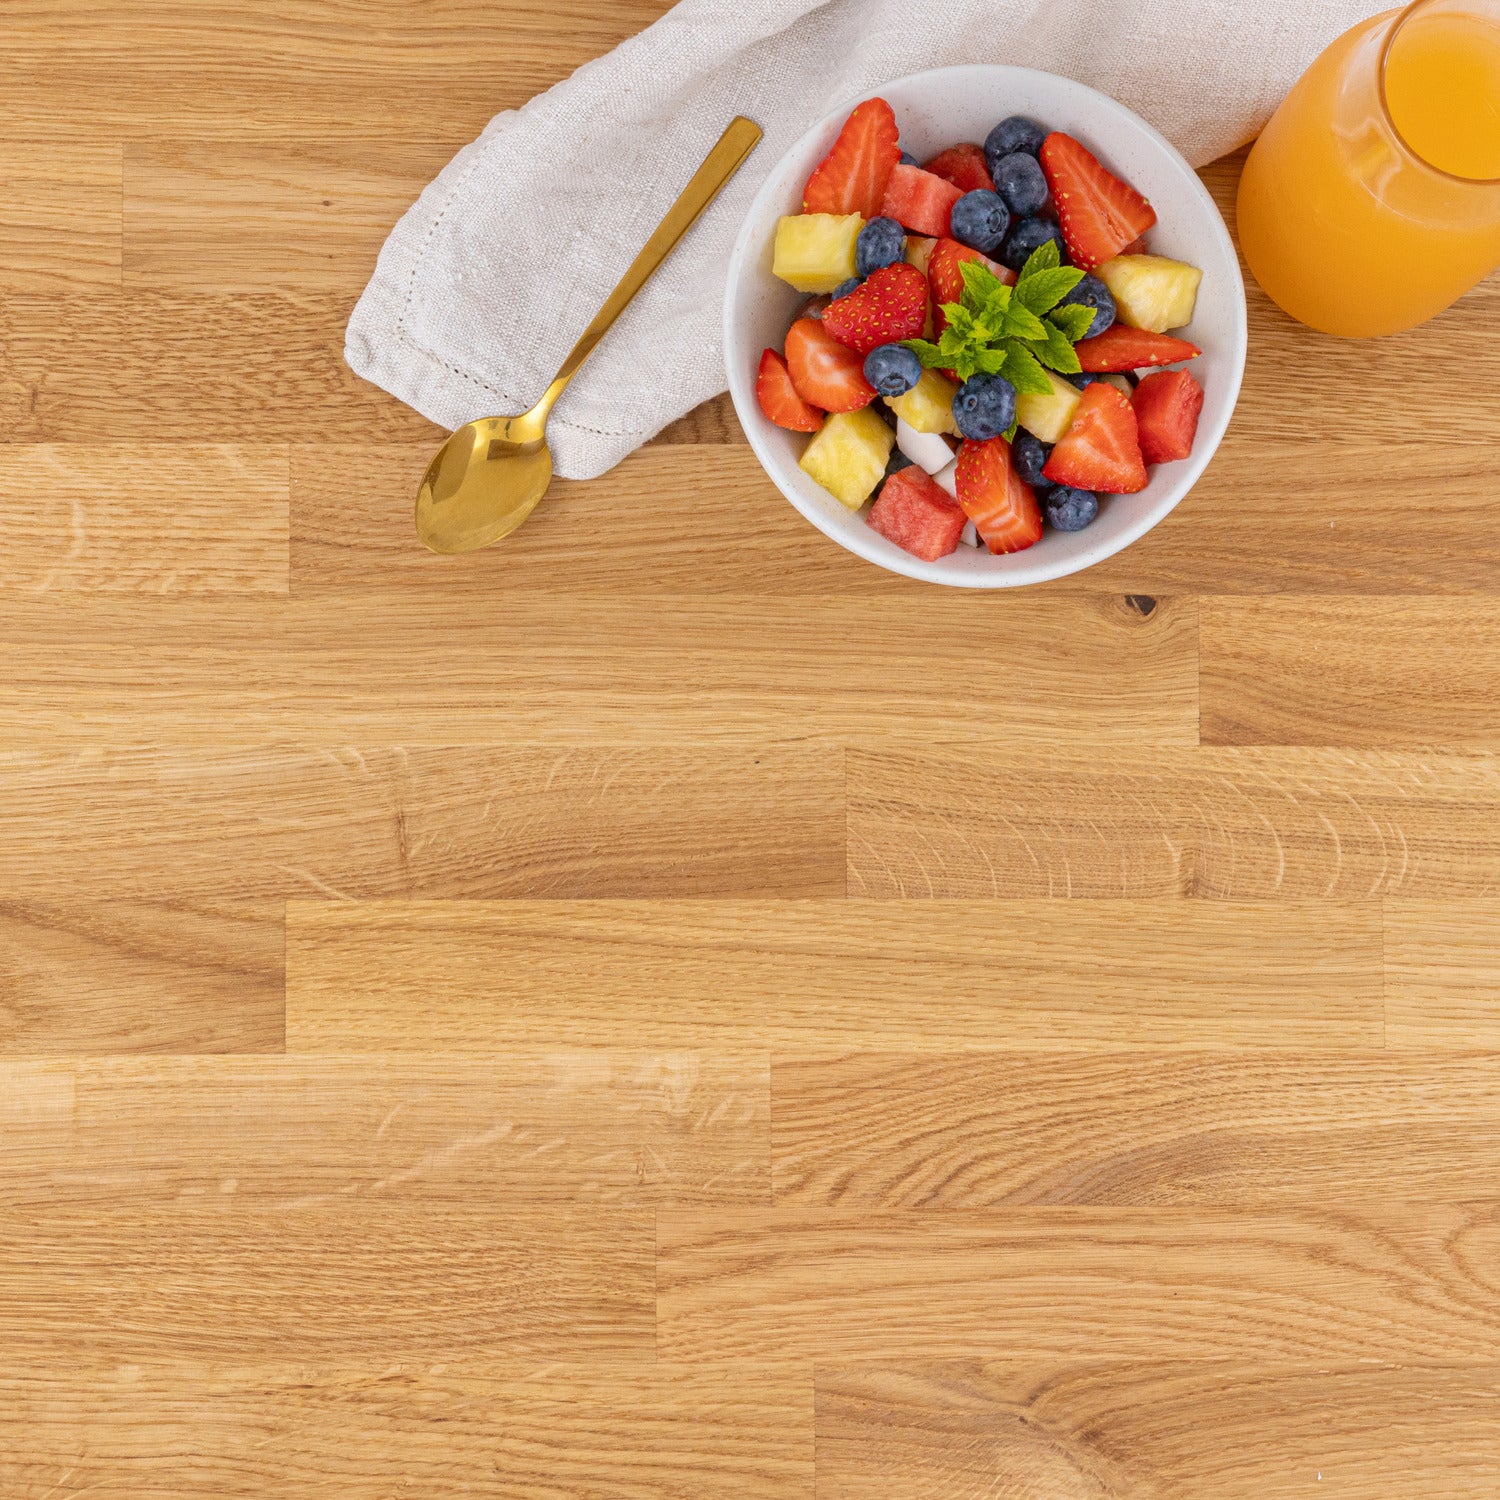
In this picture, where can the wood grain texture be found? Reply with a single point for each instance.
(448, 1429)
(227, 69)
(458, 822)
(231, 217)
(144, 518)
(660, 1009)
(1262, 1285)
(1349, 671)
(1127, 1431)
(1133, 1129)
(60, 217)
(609, 670)
(1442, 973)
(1228, 823)
(183, 367)
(290, 1135)
(397, 976)
(337, 1281)
(84, 976)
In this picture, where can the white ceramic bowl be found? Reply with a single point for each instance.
(936, 109)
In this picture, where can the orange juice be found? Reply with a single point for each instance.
(1372, 199)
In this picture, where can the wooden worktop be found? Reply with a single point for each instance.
(661, 1008)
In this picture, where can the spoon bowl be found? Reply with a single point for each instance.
(483, 483)
(492, 473)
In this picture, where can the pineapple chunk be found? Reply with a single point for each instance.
(815, 252)
(849, 454)
(1151, 291)
(1049, 417)
(928, 405)
(1120, 383)
(919, 251)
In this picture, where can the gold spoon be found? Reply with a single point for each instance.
(488, 477)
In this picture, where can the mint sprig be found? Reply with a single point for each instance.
(1011, 331)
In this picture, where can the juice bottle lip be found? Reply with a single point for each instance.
(1385, 106)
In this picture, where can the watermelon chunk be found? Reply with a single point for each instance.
(920, 201)
(915, 513)
(1167, 407)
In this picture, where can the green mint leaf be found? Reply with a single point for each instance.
(1074, 321)
(1042, 292)
(1044, 258)
(1010, 432)
(929, 354)
(1023, 324)
(980, 283)
(992, 361)
(1058, 352)
(1023, 372)
(953, 343)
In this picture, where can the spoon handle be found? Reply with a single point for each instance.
(737, 142)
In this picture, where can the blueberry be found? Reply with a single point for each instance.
(984, 407)
(1083, 380)
(898, 461)
(1025, 237)
(845, 287)
(1019, 179)
(980, 220)
(893, 369)
(908, 160)
(882, 242)
(1029, 453)
(1091, 292)
(1071, 510)
(1012, 135)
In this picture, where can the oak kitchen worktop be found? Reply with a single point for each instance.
(661, 1008)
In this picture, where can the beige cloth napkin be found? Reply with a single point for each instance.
(484, 285)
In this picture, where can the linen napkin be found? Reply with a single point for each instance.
(488, 280)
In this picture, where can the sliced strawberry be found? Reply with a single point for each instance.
(1135, 247)
(946, 278)
(915, 513)
(995, 498)
(779, 399)
(1121, 348)
(919, 201)
(964, 166)
(852, 178)
(824, 372)
(1101, 450)
(1099, 214)
(1167, 407)
(889, 307)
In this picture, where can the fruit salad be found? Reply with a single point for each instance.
(988, 348)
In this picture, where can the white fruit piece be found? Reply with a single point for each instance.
(1151, 292)
(948, 478)
(928, 405)
(969, 536)
(1049, 417)
(928, 450)
(848, 455)
(1120, 383)
(919, 251)
(815, 252)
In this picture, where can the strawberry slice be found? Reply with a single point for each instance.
(1102, 449)
(779, 399)
(915, 513)
(889, 307)
(852, 178)
(995, 498)
(824, 372)
(1099, 214)
(1167, 407)
(946, 278)
(1121, 348)
(920, 201)
(964, 166)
